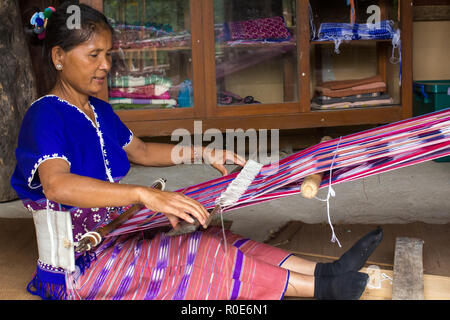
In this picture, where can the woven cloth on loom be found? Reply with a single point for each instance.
(348, 158)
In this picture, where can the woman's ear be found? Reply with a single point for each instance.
(58, 56)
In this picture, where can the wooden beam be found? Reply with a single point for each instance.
(431, 13)
(408, 270)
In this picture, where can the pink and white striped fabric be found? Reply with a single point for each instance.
(195, 266)
(349, 158)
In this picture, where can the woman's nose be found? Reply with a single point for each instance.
(105, 63)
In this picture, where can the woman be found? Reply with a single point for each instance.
(72, 152)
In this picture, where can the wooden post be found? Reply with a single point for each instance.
(17, 90)
(408, 270)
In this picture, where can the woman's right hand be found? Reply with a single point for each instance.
(174, 205)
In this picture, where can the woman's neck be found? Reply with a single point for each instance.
(71, 95)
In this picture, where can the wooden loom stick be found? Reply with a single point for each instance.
(311, 183)
(91, 239)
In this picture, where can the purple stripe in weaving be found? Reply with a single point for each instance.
(237, 268)
(194, 240)
(159, 270)
(237, 274)
(125, 283)
(104, 272)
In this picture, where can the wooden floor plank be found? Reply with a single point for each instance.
(408, 269)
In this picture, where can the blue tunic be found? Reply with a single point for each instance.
(54, 128)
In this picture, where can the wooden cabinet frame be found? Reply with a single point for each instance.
(291, 115)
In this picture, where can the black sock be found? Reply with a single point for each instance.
(355, 258)
(348, 286)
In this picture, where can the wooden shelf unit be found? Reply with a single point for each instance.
(287, 115)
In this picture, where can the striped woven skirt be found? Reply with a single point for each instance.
(196, 266)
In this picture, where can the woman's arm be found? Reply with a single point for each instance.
(162, 154)
(151, 154)
(63, 187)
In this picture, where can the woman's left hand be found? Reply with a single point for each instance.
(217, 158)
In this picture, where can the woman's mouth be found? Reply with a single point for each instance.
(99, 80)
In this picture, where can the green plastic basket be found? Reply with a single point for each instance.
(430, 96)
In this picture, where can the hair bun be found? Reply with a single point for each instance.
(48, 12)
(39, 21)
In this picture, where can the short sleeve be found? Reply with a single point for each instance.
(41, 138)
(124, 135)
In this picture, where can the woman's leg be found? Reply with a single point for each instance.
(352, 260)
(300, 285)
(299, 265)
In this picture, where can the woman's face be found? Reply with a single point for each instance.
(86, 66)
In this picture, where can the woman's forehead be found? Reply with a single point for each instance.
(101, 39)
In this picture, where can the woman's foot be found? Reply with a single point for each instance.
(348, 286)
(354, 259)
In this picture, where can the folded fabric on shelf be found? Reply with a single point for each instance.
(148, 90)
(359, 89)
(113, 101)
(162, 84)
(347, 31)
(344, 84)
(348, 104)
(338, 32)
(359, 97)
(130, 92)
(268, 29)
(139, 36)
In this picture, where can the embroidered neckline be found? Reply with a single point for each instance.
(96, 127)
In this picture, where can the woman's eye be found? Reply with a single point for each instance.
(94, 55)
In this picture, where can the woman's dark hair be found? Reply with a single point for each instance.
(61, 32)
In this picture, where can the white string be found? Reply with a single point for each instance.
(331, 193)
(386, 277)
(395, 44)
(225, 245)
(51, 235)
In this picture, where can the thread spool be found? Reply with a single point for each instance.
(311, 183)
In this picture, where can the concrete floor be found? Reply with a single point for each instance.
(419, 193)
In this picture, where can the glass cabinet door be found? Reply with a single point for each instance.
(255, 52)
(355, 54)
(152, 54)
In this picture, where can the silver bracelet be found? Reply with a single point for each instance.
(198, 157)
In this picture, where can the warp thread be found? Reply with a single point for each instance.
(331, 193)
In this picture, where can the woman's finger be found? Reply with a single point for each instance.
(237, 159)
(173, 220)
(194, 208)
